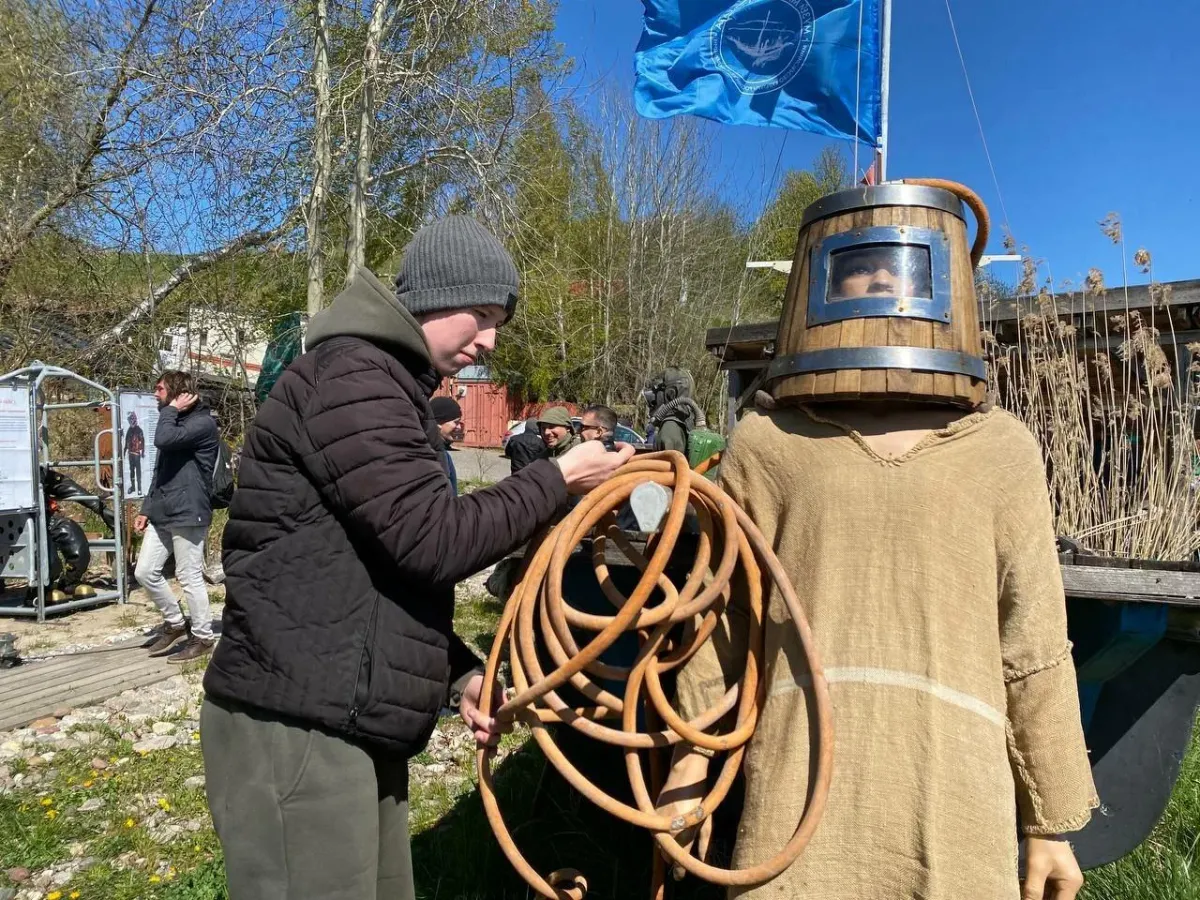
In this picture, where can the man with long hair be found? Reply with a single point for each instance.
(175, 517)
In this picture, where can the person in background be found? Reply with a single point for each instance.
(526, 447)
(448, 415)
(344, 544)
(558, 434)
(599, 423)
(175, 517)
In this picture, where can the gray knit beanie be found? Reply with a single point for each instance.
(454, 263)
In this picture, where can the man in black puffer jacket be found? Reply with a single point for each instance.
(344, 543)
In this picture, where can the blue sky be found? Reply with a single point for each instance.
(1088, 107)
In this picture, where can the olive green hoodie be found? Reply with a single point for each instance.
(368, 309)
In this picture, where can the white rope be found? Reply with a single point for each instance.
(978, 121)
(858, 87)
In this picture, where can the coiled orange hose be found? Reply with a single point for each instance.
(537, 617)
(983, 222)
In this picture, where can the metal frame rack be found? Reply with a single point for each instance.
(27, 554)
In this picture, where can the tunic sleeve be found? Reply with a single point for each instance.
(720, 663)
(1055, 791)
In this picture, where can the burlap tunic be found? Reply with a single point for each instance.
(936, 600)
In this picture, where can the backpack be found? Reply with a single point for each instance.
(222, 479)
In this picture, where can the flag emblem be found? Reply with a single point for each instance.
(761, 45)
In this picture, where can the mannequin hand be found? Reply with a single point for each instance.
(1051, 872)
(683, 790)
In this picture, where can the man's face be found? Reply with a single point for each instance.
(451, 430)
(133, 417)
(591, 429)
(457, 337)
(160, 394)
(552, 434)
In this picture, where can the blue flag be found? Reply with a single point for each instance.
(787, 63)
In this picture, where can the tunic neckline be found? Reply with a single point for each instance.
(934, 436)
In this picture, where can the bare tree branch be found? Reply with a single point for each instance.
(186, 272)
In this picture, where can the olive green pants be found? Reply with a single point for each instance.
(303, 814)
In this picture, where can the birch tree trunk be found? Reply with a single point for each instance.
(322, 161)
(356, 247)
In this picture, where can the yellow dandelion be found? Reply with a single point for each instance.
(196, 847)
(195, 735)
(54, 895)
(70, 781)
(94, 773)
(51, 813)
(47, 801)
(88, 783)
(170, 873)
(163, 804)
(74, 895)
(154, 879)
(129, 823)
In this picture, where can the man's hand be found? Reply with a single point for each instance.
(184, 402)
(487, 730)
(590, 465)
(1051, 872)
(139, 524)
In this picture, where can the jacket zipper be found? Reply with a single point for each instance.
(356, 704)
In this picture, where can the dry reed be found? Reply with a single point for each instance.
(1115, 422)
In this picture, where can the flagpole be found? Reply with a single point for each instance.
(885, 72)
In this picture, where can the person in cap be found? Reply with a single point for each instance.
(524, 448)
(448, 415)
(557, 430)
(344, 544)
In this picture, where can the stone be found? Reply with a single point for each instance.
(164, 728)
(99, 763)
(86, 738)
(45, 722)
(62, 712)
(61, 877)
(91, 805)
(157, 742)
(8, 893)
(34, 761)
(18, 875)
(47, 730)
(77, 849)
(196, 781)
(48, 756)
